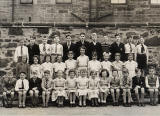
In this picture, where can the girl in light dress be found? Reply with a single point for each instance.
(82, 85)
(36, 67)
(59, 86)
(93, 92)
(71, 85)
(104, 86)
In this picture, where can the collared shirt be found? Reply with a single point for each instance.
(57, 49)
(19, 84)
(71, 64)
(45, 49)
(46, 84)
(20, 53)
(118, 65)
(130, 48)
(82, 61)
(115, 82)
(138, 49)
(36, 68)
(106, 65)
(152, 81)
(59, 66)
(126, 82)
(94, 65)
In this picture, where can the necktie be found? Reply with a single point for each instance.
(142, 48)
(68, 45)
(22, 84)
(21, 50)
(130, 47)
(56, 49)
(46, 84)
(44, 47)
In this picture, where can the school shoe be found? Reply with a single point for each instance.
(142, 104)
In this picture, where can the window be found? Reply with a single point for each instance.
(155, 2)
(118, 1)
(26, 1)
(63, 1)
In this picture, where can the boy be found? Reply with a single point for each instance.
(46, 88)
(34, 89)
(152, 84)
(126, 85)
(138, 85)
(8, 89)
(22, 86)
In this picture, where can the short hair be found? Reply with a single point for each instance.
(70, 52)
(22, 72)
(46, 72)
(137, 70)
(83, 47)
(128, 37)
(71, 70)
(114, 70)
(117, 54)
(83, 70)
(130, 54)
(36, 56)
(125, 70)
(151, 67)
(82, 33)
(94, 53)
(47, 56)
(68, 35)
(117, 34)
(103, 70)
(92, 71)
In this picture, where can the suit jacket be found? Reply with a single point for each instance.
(114, 48)
(33, 50)
(36, 83)
(96, 48)
(79, 44)
(66, 50)
(138, 82)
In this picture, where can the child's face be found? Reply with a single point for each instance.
(68, 38)
(60, 74)
(48, 59)
(141, 40)
(130, 57)
(72, 75)
(35, 60)
(93, 75)
(24, 59)
(10, 74)
(70, 56)
(82, 51)
(83, 73)
(94, 36)
(21, 43)
(151, 71)
(82, 37)
(59, 58)
(138, 73)
(104, 74)
(22, 76)
(118, 39)
(117, 57)
(44, 40)
(46, 75)
(94, 57)
(115, 73)
(56, 39)
(106, 57)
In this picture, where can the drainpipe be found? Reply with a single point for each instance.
(13, 10)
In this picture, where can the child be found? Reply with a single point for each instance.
(104, 86)
(22, 86)
(115, 87)
(59, 65)
(59, 92)
(70, 63)
(72, 87)
(23, 66)
(8, 89)
(106, 64)
(82, 60)
(36, 67)
(93, 89)
(131, 65)
(126, 85)
(46, 87)
(152, 84)
(56, 48)
(138, 85)
(34, 89)
(94, 64)
(82, 85)
(117, 64)
(44, 49)
(47, 65)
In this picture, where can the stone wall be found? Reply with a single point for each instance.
(8, 43)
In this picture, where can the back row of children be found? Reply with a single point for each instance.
(86, 79)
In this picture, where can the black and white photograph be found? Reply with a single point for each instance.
(79, 57)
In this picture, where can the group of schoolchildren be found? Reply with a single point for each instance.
(79, 81)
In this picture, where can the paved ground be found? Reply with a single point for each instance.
(87, 111)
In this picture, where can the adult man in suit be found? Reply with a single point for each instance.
(33, 49)
(117, 47)
(84, 43)
(68, 46)
(95, 47)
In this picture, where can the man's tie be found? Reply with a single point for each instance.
(22, 84)
(56, 48)
(130, 47)
(142, 48)
(21, 50)
(44, 47)
(46, 84)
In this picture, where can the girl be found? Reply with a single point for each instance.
(59, 92)
(115, 87)
(36, 67)
(94, 64)
(22, 86)
(46, 87)
(104, 85)
(138, 85)
(47, 65)
(93, 89)
(70, 63)
(82, 85)
(72, 87)
(152, 84)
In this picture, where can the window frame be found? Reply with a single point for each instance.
(26, 3)
(119, 3)
(154, 3)
(56, 1)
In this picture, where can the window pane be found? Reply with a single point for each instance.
(64, 1)
(155, 1)
(118, 1)
(26, 1)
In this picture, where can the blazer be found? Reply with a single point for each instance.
(66, 50)
(36, 83)
(79, 44)
(138, 82)
(114, 48)
(33, 50)
(96, 48)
